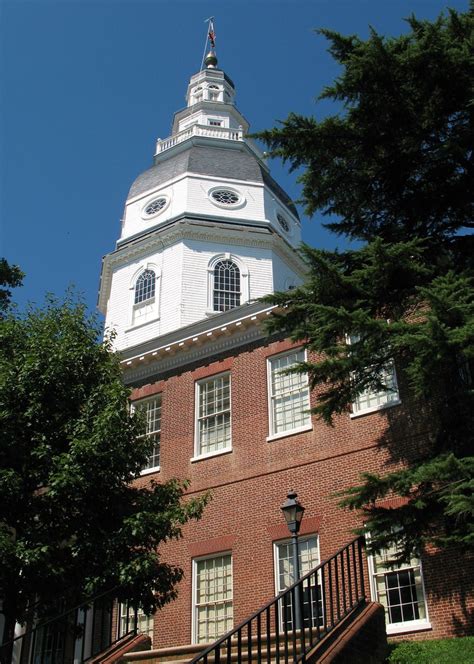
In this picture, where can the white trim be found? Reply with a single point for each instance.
(133, 407)
(197, 443)
(132, 307)
(209, 455)
(193, 176)
(407, 626)
(148, 471)
(226, 206)
(276, 561)
(356, 411)
(132, 328)
(271, 424)
(412, 626)
(290, 432)
(145, 216)
(374, 409)
(244, 279)
(194, 562)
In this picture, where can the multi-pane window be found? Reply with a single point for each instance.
(151, 408)
(213, 611)
(399, 588)
(145, 286)
(144, 306)
(226, 197)
(126, 621)
(289, 394)
(371, 399)
(285, 576)
(226, 285)
(213, 415)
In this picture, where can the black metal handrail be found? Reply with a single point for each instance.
(324, 596)
(75, 634)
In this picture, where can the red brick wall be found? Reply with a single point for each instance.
(250, 483)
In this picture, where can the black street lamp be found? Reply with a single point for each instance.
(293, 512)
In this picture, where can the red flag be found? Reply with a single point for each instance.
(212, 35)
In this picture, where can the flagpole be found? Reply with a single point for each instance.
(210, 26)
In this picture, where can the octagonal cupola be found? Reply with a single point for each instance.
(210, 101)
(205, 229)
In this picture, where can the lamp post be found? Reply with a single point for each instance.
(293, 512)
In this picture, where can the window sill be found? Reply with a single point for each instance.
(290, 432)
(139, 325)
(148, 471)
(375, 409)
(404, 628)
(209, 455)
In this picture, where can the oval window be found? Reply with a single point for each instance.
(225, 197)
(155, 206)
(283, 223)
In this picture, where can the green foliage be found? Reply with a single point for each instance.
(397, 161)
(395, 166)
(71, 520)
(12, 276)
(457, 651)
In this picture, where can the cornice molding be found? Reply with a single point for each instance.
(187, 227)
(174, 356)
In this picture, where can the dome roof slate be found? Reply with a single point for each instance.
(211, 161)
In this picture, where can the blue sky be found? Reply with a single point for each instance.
(88, 86)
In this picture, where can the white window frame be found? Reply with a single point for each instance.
(195, 561)
(276, 562)
(145, 624)
(198, 455)
(214, 90)
(358, 410)
(151, 199)
(227, 206)
(408, 625)
(307, 426)
(154, 312)
(133, 407)
(244, 280)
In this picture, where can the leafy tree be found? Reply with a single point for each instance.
(70, 515)
(12, 276)
(394, 169)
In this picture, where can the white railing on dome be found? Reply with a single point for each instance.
(225, 133)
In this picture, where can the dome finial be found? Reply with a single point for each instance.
(211, 59)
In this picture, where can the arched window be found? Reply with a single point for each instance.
(144, 297)
(214, 93)
(226, 294)
(145, 287)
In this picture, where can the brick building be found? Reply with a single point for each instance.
(207, 232)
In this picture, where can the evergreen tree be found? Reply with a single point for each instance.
(394, 168)
(72, 522)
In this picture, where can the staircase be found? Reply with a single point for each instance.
(323, 617)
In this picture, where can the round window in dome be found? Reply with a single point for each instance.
(283, 223)
(154, 207)
(225, 197)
